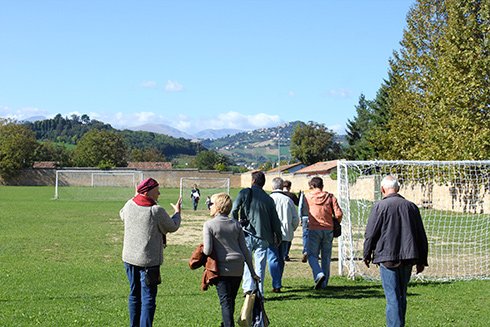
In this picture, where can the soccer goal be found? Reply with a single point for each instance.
(207, 187)
(96, 184)
(454, 201)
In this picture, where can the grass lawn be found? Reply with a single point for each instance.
(60, 265)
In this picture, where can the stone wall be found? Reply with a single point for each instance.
(166, 178)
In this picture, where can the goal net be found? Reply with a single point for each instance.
(96, 184)
(454, 201)
(207, 187)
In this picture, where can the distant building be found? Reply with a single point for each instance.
(320, 168)
(292, 168)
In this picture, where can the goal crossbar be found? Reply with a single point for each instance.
(89, 178)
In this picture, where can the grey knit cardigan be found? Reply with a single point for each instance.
(144, 228)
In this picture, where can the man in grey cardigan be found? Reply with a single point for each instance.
(263, 228)
(145, 227)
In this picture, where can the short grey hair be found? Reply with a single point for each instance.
(391, 183)
(277, 183)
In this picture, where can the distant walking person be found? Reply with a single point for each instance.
(145, 227)
(321, 208)
(286, 211)
(263, 227)
(195, 195)
(395, 239)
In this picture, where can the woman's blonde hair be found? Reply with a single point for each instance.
(222, 202)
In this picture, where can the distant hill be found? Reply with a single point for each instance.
(161, 129)
(216, 133)
(71, 130)
(34, 118)
(170, 131)
(258, 146)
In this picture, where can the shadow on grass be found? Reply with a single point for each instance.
(335, 292)
(343, 292)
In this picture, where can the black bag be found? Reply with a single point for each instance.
(259, 317)
(337, 229)
(152, 276)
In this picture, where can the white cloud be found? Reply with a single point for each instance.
(23, 113)
(231, 119)
(124, 120)
(236, 120)
(173, 86)
(148, 84)
(341, 93)
(339, 129)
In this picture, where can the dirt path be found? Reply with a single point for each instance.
(190, 234)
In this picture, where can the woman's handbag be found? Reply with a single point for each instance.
(253, 312)
(245, 319)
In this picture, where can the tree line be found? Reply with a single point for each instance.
(435, 104)
(80, 142)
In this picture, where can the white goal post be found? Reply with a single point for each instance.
(79, 184)
(454, 201)
(207, 187)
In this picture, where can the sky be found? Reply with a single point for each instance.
(196, 65)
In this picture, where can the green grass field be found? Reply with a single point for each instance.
(60, 265)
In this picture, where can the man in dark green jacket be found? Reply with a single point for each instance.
(262, 228)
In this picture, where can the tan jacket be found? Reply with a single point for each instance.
(321, 207)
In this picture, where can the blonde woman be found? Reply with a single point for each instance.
(225, 235)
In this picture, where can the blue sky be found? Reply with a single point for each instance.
(196, 65)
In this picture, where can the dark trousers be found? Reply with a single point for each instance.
(227, 287)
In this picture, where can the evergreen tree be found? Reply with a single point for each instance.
(358, 131)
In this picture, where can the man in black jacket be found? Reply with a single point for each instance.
(395, 239)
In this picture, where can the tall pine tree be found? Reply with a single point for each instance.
(440, 96)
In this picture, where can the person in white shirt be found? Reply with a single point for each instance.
(286, 210)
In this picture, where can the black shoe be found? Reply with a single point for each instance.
(276, 290)
(287, 258)
(319, 282)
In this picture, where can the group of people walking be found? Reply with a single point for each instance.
(257, 228)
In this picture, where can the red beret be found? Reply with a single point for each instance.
(147, 185)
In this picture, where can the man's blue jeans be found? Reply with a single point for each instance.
(395, 282)
(304, 225)
(320, 241)
(258, 248)
(275, 257)
(142, 298)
